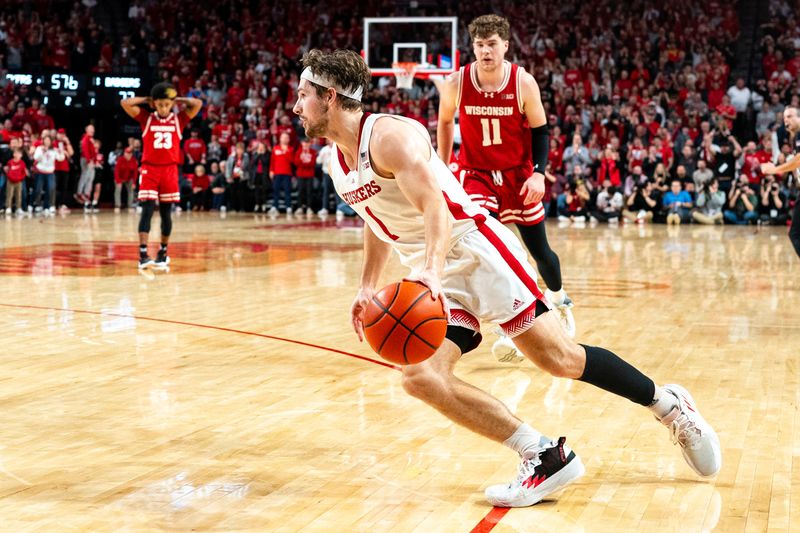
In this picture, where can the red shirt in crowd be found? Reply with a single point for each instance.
(63, 165)
(19, 120)
(126, 169)
(281, 161)
(235, 96)
(305, 160)
(572, 77)
(42, 122)
(16, 170)
(609, 170)
(751, 166)
(195, 148)
(279, 129)
(88, 150)
(201, 182)
(223, 133)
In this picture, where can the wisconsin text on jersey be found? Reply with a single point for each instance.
(489, 110)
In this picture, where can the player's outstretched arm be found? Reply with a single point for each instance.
(131, 105)
(398, 150)
(790, 166)
(193, 106)
(445, 130)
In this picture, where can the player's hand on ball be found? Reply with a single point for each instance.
(768, 168)
(357, 310)
(533, 188)
(431, 280)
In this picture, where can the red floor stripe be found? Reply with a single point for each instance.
(205, 326)
(490, 520)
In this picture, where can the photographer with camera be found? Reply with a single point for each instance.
(641, 203)
(774, 208)
(709, 202)
(742, 202)
(608, 206)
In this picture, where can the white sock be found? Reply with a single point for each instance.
(663, 402)
(526, 441)
(558, 297)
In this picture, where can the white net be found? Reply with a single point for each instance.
(404, 73)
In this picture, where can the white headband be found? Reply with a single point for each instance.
(324, 82)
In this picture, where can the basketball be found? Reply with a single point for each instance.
(403, 324)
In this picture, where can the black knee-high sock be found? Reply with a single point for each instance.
(547, 262)
(608, 372)
(148, 206)
(165, 210)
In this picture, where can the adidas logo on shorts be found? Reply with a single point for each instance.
(517, 304)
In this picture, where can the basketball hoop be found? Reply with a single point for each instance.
(404, 73)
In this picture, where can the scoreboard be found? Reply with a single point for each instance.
(79, 91)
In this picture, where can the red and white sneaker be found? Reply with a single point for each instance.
(697, 439)
(549, 471)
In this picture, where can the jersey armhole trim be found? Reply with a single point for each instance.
(460, 86)
(520, 101)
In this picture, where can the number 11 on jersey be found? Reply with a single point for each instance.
(494, 136)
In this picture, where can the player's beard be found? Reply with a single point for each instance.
(320, 128)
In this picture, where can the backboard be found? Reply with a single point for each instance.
(430, 41)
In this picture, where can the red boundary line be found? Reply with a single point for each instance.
(204, 326)
(484, 526)
(490, 520)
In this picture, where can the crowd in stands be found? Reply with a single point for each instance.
(645, 122)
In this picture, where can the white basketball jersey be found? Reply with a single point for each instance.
(382, 205)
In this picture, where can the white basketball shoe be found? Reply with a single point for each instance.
(697, 439)
(550, 470)
(564, 309)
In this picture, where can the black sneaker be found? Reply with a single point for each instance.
(145, 262)
(552, 469)
(162, 260)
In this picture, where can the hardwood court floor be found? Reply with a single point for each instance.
(231, 394)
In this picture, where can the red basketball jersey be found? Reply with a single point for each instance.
(495, 134)
(161, 137)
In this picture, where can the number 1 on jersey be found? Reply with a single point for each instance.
(494, 137)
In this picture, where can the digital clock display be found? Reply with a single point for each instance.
(66, 89)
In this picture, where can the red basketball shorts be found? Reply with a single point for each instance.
(499, 192)
(159, 183)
